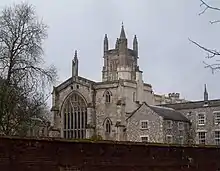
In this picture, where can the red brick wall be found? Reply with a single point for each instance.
(53, 155)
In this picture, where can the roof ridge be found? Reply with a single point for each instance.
(162, 107)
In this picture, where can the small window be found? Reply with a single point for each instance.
(217, 137)
(134, 96)
(169, 124)
(180, 126)
(202, 137)
(169, 139)
(107, 97)
(144, 124)
(217, 117)
(108, 126)
(201, 119)
(144, 138)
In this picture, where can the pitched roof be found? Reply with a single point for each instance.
(169, 113)
(69, 81)
(193, 105)
(165, 112)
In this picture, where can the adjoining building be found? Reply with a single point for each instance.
(204, 117)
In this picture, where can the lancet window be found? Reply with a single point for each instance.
(107, 97)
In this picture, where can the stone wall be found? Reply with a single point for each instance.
(154, 132)
(176, 133)
(209, 127)
(59, 155)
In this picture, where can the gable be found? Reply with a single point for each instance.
(69, 81)
(143, 108)
(166, 113)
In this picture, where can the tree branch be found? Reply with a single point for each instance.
(210, 54)
(22, 95)
(207, 6)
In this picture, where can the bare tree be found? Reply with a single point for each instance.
(211, 53)
(22, 68)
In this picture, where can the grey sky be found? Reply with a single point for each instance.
(169, 61)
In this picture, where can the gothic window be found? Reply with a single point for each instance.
(108, 126)
(74, 117)
(107, 97)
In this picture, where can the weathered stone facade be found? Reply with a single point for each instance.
(209, 123)
(101, 108)
(158, 130)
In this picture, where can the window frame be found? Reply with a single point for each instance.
(144, 121)
(107, 96)
(108, 126)
(171, 138)
(198, 119)
(200, 141)
(215, 117)
(217, 139)
(180, 128)
(170, 125)
(74, 117)
(144, 136)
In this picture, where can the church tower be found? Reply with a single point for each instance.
(120, 62)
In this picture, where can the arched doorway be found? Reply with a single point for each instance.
(74, 117)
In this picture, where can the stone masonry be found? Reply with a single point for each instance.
(209, 123)
(68, 155)
(83, 108)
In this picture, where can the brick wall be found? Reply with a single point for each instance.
(57, 155)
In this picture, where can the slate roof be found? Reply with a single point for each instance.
(193, 105)
(169, 113)
(165, 112)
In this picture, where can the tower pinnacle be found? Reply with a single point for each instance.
(122, 34)
(135, 45)
(75, 65)
(206, 96)
(75, 56)
(105, 43)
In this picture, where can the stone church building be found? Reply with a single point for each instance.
(121, 107)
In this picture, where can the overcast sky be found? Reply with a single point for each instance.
(169, 61)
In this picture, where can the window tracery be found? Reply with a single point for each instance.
(74, 117)
(108, 126)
